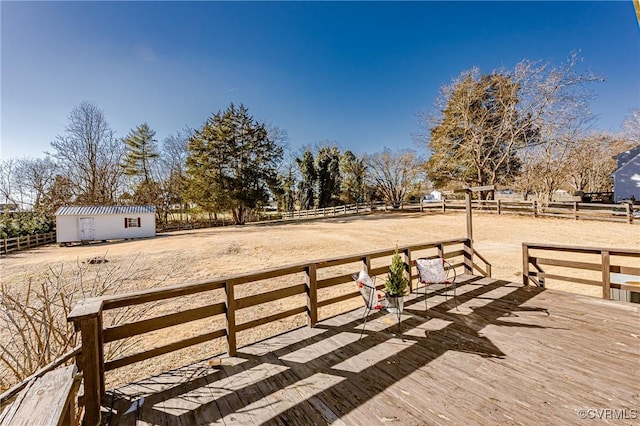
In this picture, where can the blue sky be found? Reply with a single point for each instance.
(356, 73)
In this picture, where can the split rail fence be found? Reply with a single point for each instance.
(26, 242)
(569, 210)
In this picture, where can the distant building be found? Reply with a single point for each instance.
(89, 223)
(8, 208)
(626, 179)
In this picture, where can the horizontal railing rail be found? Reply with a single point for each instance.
(87, 316)
(542, 256)
(25, 242)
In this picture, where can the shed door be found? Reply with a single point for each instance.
(87, 229)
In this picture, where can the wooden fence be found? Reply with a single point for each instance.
(26, 242)
(570, 210)
(87, 316)
(544, 257)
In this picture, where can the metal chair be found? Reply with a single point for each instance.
(436, 271)
(372, 299)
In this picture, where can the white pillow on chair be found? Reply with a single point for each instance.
(431, 270)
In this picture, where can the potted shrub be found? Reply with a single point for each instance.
(396, 284)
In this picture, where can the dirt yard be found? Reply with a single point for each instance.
(195, 255)
(206, 253)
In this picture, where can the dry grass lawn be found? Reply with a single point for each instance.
(208, 253)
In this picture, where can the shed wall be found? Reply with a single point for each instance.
(107, 227)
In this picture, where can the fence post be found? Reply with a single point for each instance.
(575, 210)
(535, 208)
(525, 264)
(6, 249)
(444, 206)
(356, 207)
(230, 315)
(421, 205)
(498, 207)
(606, 275)
(629, 213)
(312, 295)
(366, 263)
(87, 318)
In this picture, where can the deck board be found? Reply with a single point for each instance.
(507, 355)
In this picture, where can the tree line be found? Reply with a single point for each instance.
(528, 128)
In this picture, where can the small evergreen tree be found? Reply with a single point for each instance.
(396, 283)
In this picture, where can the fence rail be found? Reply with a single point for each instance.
(544, 257)
(570, 210)
(26, 242)
(87, 316)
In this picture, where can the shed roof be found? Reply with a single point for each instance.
(103, 210)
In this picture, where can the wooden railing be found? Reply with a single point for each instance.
(87, 316)
(543, 257)
(26, 242)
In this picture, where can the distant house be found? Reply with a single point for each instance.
(626, 179)
(89, 223)
(434, 195)
(8, 208)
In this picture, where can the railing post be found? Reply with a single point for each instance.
(366, 263)
(87, 318)
(312, 295)
(468, 256)
(535, 208)
(525, 264)
(407, 265)
(230, 314)
(498, 207)
(606, 275)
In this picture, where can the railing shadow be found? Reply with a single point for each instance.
(319, 375)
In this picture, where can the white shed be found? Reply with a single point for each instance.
(88, 223)
(626, 179)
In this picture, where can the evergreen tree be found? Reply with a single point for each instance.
(354, 174)
(476, 140)
(328, 175)
(140, 150)
(232, 163)
(308, 180)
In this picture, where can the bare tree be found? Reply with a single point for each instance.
(90, 155)
(9, 189)
(556, 101)
(394, 174)
(631, 126)
(35, 177)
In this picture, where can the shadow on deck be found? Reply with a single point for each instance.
(508, 355)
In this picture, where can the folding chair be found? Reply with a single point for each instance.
(372, 299)
(436, 271)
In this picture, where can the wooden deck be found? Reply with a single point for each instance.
(508, 355)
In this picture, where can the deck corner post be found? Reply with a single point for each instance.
(468, 256)
(407, 265)
(87, 318)
(312, 295)
(525, 264)
(230, 316)
(606, 275)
